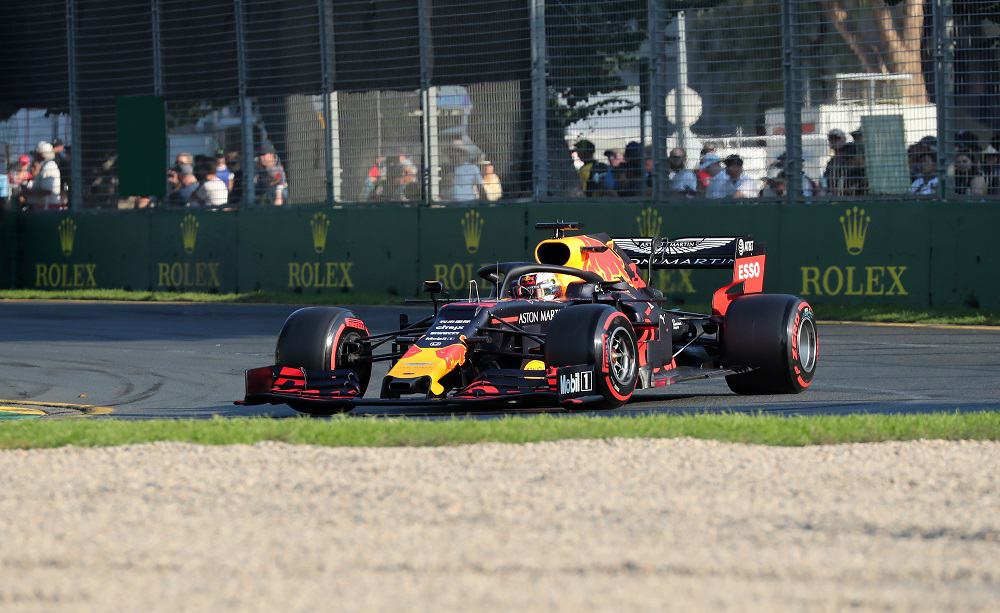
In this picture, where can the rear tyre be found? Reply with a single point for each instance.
(601, 335)
(774, 334)
(324, 338)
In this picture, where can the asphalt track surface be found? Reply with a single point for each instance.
(149, 360)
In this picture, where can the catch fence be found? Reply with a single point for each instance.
(438, 102)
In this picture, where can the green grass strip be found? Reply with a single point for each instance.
(398, 432)
(244, 298)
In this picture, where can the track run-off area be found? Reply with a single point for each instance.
(148, 360)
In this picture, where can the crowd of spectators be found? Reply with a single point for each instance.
(216, 181)
(467, 179)
(37, 180)
(975, 171)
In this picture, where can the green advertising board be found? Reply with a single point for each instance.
(902, 253)
(83, 251)
(194, 251)
(317, 250)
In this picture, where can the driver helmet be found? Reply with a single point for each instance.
(538, 286)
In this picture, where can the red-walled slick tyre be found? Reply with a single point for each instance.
(774, 334)
(601, 335)
(324, 338)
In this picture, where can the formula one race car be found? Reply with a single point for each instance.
(577, 328)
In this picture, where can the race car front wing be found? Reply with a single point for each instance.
(339, 390)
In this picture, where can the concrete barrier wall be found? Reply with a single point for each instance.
(916, 254)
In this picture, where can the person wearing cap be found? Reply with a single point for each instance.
(836, 167)
(17, 177)
(733, 183)
(683, 181)
(43, 191)
(709, 168)
(858, 136)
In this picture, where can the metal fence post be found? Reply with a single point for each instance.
(246, 118)
(944, 63)
(658, 96)
(325, 49)
(539, 103)
(154, 15)
(428, 103)
(76, 159)
(793, 102)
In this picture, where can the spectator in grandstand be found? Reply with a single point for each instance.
(173, 183)
(18, 177)
(467, 183)
(183, 158)
(62, 161)
(835, 172)
(187, 184)
(915, 156)
(733, 183)
(236, 189)
(857, 174)
(270, 184)
(222, 171)
(991, 169)
(926, 183)
(683, 182)
(43, 191)
(969, 179)
(710, 167)
(703, 177)
(616, 171)
(375, 181)
(857, 136)
(404, 176)
(966, 140)
(630, 177)
(592, 172)
(492, 189)
(211, 191)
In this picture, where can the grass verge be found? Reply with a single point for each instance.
(399, 432)
(245, 298)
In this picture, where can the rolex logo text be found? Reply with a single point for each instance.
(64, 275)
(854, 280)
(185, 272)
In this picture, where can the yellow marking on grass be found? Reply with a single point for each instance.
(21, 410)
(86, 409)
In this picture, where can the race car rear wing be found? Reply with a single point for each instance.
(689, 252)
(742, 254)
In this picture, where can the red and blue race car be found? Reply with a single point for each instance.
(578, 327)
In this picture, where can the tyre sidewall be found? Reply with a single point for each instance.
(762, 331)
(611, 388)
(801, 315)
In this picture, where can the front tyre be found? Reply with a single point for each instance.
(600, 335)
(776, 335)
(324, 338)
